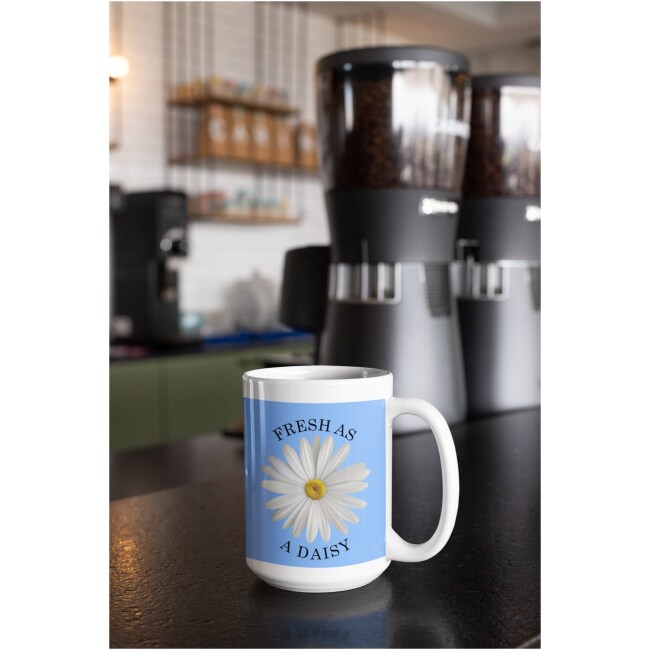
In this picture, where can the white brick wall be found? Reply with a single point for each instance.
(220, 254)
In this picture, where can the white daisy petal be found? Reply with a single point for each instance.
(324, 455)
(284, 501)
(324, 524)
(342, 488)
(356, 472)
(335, 461)
(315, 449)
(294, 462)
(306, 457)
(313, 521)
(301, 518)
(282, 487)
(351, 517)
(337, 522)
(279, 476)
(342, 511)
(282, 513)
(284, 469)
(292, 517)
(351, 502)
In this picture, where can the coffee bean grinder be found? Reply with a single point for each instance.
(393, 126)
(498, 274)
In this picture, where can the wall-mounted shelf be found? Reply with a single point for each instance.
(197, 159)
(217, 125)
(235, 100)
(251, 218)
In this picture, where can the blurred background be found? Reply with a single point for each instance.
(215, 174)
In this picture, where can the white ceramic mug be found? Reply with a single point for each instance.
(318, 447)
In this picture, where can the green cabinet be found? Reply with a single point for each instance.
(135, 405)
(178, 397)
(200, 394)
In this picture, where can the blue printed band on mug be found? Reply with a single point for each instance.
(315, 482)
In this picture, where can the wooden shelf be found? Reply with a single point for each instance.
(245, 218)
(196, 159)
(235, 100)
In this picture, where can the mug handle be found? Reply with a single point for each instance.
(396, 547)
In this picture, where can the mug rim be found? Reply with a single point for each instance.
(297, 374)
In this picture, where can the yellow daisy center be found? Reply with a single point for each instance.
(315, 489)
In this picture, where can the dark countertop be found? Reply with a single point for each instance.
(179, 579)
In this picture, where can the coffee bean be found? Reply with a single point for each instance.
(383, 127)
(503, 157)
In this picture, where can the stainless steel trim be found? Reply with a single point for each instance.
(356, 283)
(482, 281)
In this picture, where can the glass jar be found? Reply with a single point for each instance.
(503, 158)
(393, 117)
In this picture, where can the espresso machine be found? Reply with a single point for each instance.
(497, 277)
(148, 237)
(393, 126)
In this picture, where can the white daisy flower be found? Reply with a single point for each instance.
(315, 492)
